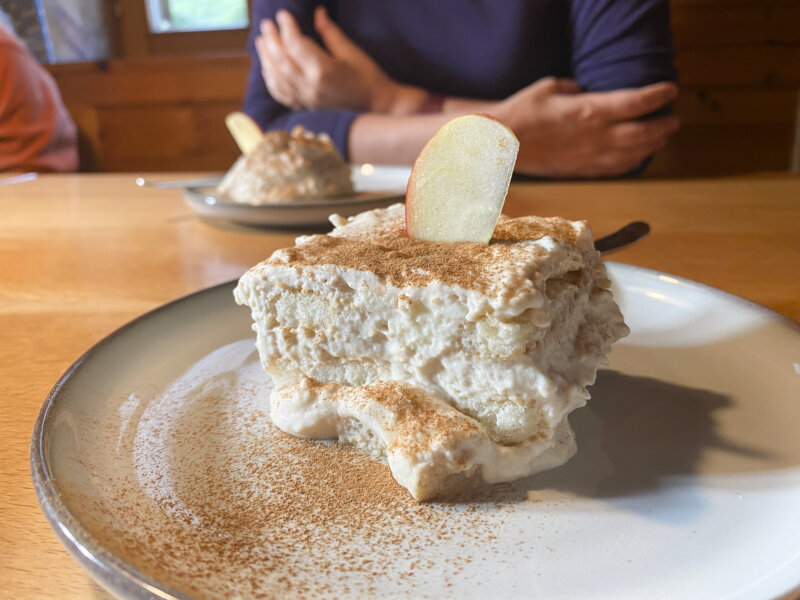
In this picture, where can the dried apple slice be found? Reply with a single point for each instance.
(246, 132)
(460, 180)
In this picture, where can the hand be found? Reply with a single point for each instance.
(300, 74)
(566, 133)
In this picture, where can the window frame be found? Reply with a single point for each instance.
(131, 36)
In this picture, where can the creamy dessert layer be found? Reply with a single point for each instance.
(288, 167)
(503, 337)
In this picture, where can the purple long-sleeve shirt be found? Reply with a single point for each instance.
(483, 49)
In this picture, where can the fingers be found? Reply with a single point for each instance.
(618, 162)
(276, 51)
(642, 133)
(280, 73)
(549, 86)
(302, 49)
(292, 63)
(334, 38)
(630, 144)
(624, 105)
(275, 82)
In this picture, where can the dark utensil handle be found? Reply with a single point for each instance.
(626, 236)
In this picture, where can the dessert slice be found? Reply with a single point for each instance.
(456, 362)
(451, 343)
(284, 167)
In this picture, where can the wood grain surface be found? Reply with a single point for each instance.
(81, 255)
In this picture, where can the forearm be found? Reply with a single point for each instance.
(453, 105)
(391, 140)
(397, 140)
(401, 100)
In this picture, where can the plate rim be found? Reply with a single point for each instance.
(332, 201)
(284, 215)
(736, 298)
(311, 213)
(122, 578)
(105, 567)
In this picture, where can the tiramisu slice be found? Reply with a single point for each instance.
(456, 362)
(450, 358)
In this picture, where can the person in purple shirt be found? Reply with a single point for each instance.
(585, 85)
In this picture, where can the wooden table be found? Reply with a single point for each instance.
(81, 255)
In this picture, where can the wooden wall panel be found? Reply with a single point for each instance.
(721, 106)
(154, 80)
(738, 63)
(769, 66)
(704, 23)
(183, 137)
(154, 114)
(715, 149)
(739, 69)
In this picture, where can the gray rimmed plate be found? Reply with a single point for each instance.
(376, 187)
(154, 461)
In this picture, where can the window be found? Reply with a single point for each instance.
(189, 15)
(141, 28)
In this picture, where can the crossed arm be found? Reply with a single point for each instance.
(563, 131)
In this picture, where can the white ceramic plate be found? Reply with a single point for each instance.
(155, 464)
(376, 187)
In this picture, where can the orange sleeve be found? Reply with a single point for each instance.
(36, 131)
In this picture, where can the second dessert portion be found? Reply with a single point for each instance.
(287, 167)
(453, 361)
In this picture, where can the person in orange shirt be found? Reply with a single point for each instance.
(36, 131)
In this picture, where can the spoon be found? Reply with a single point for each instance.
(166, 185)
(632, 232)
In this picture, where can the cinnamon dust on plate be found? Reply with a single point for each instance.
(199, 492)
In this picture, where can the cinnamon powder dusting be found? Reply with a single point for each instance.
(386, 250)
(418, 421)
(209, 499)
